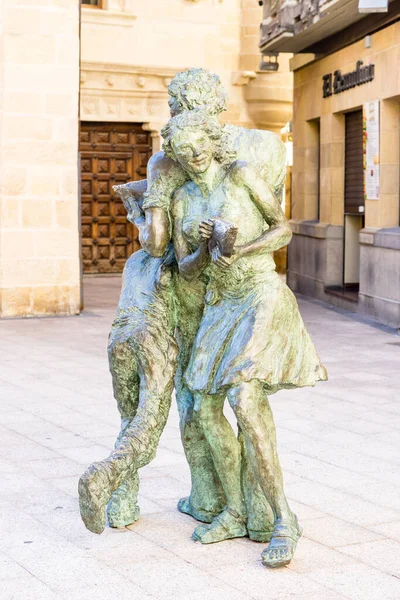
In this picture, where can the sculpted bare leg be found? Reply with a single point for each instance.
(226, 453)
(123, 508)
(254, 416)
(207, 498)
(142, 364)
(136, 448)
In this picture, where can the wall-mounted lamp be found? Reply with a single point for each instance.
(368, 41)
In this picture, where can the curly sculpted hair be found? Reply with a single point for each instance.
(200, 119)
(196, 88)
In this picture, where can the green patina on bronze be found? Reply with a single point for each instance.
(214, 327)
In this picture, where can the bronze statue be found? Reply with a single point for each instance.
(232, 326)
(251, 340)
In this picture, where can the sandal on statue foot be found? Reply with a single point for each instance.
(283, 543)
(94, 496)
(187, 508)
(226, 526)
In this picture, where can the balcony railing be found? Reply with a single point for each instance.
(295, 25)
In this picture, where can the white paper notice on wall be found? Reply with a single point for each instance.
(371, 150)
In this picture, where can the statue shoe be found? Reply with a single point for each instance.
(226, 526)
(283, 543)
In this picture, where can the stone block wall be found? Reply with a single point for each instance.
(159, 36)
(379, 295)
(315, 259)
(39, 91)
(319, 174)
(168, 34)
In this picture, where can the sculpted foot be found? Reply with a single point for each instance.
(118, 520)
(283, 544)
(94, 493)
(186, 507)
(224, 527)
(122, 512)
(123, 509)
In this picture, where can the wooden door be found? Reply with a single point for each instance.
(111, 153)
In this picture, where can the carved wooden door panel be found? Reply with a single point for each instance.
(111, 153)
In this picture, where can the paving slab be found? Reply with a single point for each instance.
(339, 446)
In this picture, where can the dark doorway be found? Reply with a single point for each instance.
(353, 199)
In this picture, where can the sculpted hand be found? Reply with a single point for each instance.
(224, 261)
(206, 229)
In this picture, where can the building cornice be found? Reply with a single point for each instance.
(125, 93)
(107, 17)
(127, 68)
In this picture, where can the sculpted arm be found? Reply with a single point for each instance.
(279, 233)
(191, 265)
(163, 176)
(154, 231)
(147, 202)
(153, 226)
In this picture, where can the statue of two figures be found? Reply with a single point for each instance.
(203, 311)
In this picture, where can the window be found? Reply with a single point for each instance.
(92, 3)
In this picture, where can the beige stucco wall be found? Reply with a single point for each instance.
(328, 253)
(131, 50)
(39, 84)
(309, 104)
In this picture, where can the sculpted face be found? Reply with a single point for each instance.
(193, 150)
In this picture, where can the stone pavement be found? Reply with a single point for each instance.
(339, 446)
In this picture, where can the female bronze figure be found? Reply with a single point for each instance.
(252, 340)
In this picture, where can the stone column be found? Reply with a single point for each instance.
(316, 251)
(39, 209)
(155, 132)
(380, 240)
(332, 169)
(305, 171)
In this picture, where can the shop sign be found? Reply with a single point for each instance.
(371, 150)
(335, 83)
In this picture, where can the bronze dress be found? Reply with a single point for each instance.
(251, 326)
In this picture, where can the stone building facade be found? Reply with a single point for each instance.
(39, 177)
(346, 243)
(132, 48)
(83, 100)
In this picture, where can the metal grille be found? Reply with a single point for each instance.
(354, 169)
